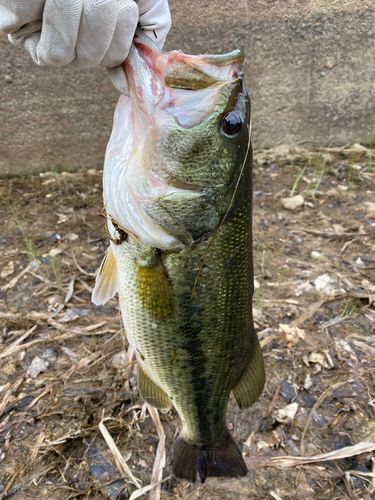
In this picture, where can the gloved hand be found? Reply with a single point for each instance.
(83, 33)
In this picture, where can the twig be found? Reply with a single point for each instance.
(81, 269)
(144, 489)
(345, 246)
(315, 407)
(275, 495)
(272, 403)
(159, 464)
(308, 313)
(291, 461)
(67, 298)
(13, 492)
(5, 493)
(13, 348)
(9, 392)
(15, 280)
(122, 466)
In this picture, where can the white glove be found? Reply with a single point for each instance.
(83, 33)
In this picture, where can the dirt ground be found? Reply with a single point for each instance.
(65, 366)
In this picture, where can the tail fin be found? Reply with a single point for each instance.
(224, 460)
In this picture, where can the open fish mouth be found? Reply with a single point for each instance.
(170, 94)
(160, 81)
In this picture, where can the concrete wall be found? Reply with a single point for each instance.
(309, 69)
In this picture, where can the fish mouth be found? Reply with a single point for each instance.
(159, 80)
(168, 91)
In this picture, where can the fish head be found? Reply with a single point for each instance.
(187, 125)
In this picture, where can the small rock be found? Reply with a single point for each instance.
(74, 313)
(103, 471)
(330, 63)
(370, 205)
(71, 237)
(308, 382)
(359, 148)
(54, 252)
(119, 360)
(293, 202)
(287, 390)
(42, 362)
(7, 270)
(303, 288)
(298, 239)
(316, 255)
(327, 287)
(8, 78)
(284, 415)
(257, 314)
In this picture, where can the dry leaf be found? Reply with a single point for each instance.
(348, 451)
(121, 464)
(292, 333)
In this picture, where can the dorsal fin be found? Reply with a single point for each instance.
(106, 280)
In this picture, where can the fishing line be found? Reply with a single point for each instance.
(225, 215)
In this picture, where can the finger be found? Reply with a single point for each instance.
(95, 32)
(127, 20)
(118, 77)
(155, 19)
(26, 31)
(58, 39)
(14, 15)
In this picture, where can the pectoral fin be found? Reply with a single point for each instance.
(154, 288)
(151, 392)
(106, 280)
(249, 388)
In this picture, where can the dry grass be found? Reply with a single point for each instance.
(77, 428)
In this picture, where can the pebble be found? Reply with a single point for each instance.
(370, 206)
(42, 362)
(293, 202)
(8, 78)
(316, 255)
(284, 415)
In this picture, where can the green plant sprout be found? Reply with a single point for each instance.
(317, 176)
(343, 317)
(371, 159)
(301, 171)
(262, 257)
(351, 175)
(29, 244)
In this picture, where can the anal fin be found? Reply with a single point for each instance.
(151, 392)
(106, 284)
(250, 387)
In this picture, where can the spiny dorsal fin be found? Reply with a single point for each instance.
(249, 388)
(151, 392)
(106, 280)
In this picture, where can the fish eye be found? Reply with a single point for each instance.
(231, 123)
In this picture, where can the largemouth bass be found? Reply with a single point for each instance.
(178, 198)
